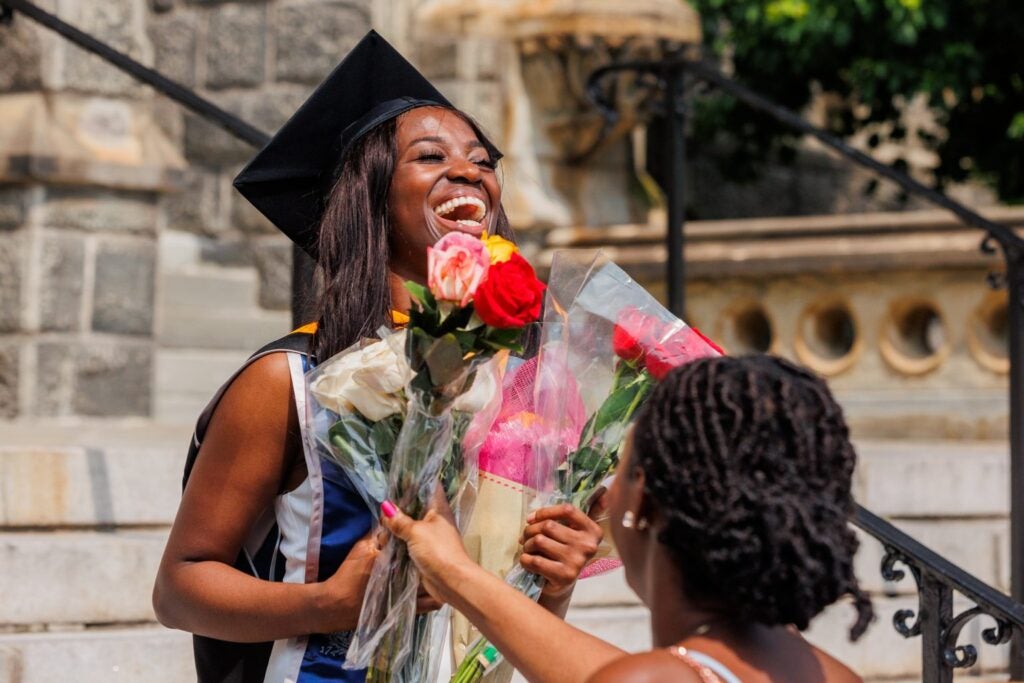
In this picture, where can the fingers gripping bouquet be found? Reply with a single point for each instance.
(404, 416)
(605, 343)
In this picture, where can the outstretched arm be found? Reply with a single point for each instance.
(538, 643)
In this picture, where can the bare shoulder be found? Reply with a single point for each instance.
(252, 437)
(657, 666)
(265, 384)
(258, 404)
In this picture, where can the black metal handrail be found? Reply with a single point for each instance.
(936, 577)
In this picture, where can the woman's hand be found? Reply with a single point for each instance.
(558, 542)
(342, 593)
(434, 545)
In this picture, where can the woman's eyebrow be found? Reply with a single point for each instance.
(438, 140)
(429, 138)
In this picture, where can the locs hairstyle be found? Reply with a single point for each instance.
(355, 256)
(750, 463)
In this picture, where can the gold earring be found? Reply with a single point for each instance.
(628, 519)
(642, 524)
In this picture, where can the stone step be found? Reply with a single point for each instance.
(216, 328)
(119, 474)
(626, 627)
(915, 414)
(148, 653)
(604, 590)
(69, 578)
(939, 479)
(186, 379)
(205, 287)
(979, 546)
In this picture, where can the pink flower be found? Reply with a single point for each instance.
(455, 267)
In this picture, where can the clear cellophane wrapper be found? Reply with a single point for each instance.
(506, 480)
(427, 449)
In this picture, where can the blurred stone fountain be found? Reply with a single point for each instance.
(563, 165)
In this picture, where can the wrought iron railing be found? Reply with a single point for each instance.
(937, 579)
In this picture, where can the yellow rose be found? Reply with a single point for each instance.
(499, 248)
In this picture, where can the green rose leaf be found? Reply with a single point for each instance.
(425, 314)
(444, 359)
(467, 340)
(383, 435)
(351, 437)
(458, 320)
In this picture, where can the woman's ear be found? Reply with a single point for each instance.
(639, 500)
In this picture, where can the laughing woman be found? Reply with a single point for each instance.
(269, 555)
(730, 515)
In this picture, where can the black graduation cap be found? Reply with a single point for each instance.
(289, 179)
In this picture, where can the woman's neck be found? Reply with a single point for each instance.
(674, 617)
(400, 299)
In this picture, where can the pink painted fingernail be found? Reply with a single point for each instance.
(388, 508)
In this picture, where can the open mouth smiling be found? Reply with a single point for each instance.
(464, 213)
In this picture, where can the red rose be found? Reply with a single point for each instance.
(632, 327)
(689, 344)
(659, 362)
(685, 345)
(510, 296)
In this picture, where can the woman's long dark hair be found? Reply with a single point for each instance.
(354, 248)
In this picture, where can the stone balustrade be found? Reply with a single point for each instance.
(893, 308)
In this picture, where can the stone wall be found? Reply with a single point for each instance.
(77, 291)
(83, 172)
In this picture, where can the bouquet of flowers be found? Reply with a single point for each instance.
(605, 343)
(404, 415)
(506, 474)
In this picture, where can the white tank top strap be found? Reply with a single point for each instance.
(709, 668)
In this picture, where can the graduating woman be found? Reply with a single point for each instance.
(269, 555)
(730, 516)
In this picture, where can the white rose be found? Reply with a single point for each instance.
(369, 381)
(480, 392)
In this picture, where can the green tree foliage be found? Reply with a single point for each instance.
(965, 56)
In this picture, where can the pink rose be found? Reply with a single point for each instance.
(455, 267)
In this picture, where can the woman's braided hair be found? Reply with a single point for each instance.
(749, 462)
